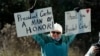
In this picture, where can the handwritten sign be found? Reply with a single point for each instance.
(39, 21)
(78, 22)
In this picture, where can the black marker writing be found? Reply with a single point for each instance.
(23, 24)
(82, 26)
(43, 13)
(39, 28)
(20, 18)
(74, 27)
(36, 21)
(71, 16)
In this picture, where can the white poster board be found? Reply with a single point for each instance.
(78, 22)
(39, 21)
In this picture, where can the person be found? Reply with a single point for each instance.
(94, 50)
(56, 43)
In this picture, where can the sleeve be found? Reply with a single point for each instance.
(69, 38)
(90, 52)
(40, 39)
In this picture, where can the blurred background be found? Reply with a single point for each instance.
(11, 45)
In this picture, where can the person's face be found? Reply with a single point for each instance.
(55, 34)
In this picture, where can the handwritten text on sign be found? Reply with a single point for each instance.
(39, 21)
(78, 22)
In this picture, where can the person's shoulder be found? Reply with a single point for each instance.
(63, 35)
(68, 35)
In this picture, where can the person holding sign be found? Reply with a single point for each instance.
(94, 50)
(56, 43)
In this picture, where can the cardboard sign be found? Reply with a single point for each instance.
(39, 21)
(78, 22)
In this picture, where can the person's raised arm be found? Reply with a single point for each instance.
(69, 37)
(40, 38)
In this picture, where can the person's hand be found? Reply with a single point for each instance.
(93, 51)
(96, 49)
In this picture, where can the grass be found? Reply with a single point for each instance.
(34, 52)
(18, 53)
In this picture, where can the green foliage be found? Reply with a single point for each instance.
(8, 8)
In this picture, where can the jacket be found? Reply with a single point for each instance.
(51, 47)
